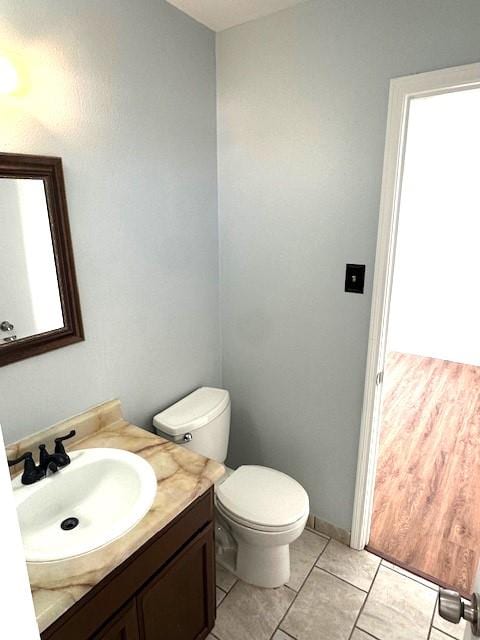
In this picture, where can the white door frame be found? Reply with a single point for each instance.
(402, 91)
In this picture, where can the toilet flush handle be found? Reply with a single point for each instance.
(187, 437)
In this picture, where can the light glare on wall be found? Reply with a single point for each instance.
(8, 77)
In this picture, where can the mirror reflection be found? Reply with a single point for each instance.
(30, 301)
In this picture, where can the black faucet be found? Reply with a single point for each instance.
(48, 462)
(31, 473)
(57, 460)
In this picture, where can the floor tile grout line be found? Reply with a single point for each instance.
(364, 603)
(314, 565)
(278, 627)
(226, 596)
(367, 633)
(442, 631)
(432, 618)
(284, 633)
(350, 584)
(445, 633)
(310, 571)
(404, 573)
(298, 592)
(227, 591)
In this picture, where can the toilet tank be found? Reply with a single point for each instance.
(200, 421)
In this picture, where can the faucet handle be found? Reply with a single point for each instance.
(59, 448)
(31, 473)
(44, 456)
(28, 455)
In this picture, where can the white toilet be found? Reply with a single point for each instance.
(260, 511)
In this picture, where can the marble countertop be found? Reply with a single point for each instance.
(182, 476)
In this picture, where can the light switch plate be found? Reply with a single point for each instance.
(355, 278)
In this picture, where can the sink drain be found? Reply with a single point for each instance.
(69, 523)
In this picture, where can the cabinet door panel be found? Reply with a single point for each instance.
(179, 604)
(123, 627)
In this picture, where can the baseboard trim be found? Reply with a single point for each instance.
(328, 529)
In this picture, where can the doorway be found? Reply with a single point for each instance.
(418, 482)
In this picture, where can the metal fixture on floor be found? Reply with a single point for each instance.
(452, 608)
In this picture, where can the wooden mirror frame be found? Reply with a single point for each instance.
(49, 169)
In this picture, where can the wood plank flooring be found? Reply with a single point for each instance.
(426, 514)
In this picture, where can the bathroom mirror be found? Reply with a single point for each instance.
(39, 303)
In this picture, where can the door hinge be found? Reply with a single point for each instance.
(379, 378)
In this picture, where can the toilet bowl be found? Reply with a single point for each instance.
(266, 511)
(259, 511)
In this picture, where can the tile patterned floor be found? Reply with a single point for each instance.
(334, 593)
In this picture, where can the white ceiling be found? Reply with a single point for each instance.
(222, 14)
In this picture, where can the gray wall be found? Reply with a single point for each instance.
(302, 106)
(124, 92)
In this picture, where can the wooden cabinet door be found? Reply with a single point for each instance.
(124, 626)
(179, 603)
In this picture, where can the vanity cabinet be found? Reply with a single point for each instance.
(175, 604)
(165, 590)
(124, 625)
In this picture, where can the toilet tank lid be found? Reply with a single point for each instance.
(192, 412)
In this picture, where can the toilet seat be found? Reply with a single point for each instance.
(254, 526)
(263, 499)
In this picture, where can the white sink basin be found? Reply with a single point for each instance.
(107, 490)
